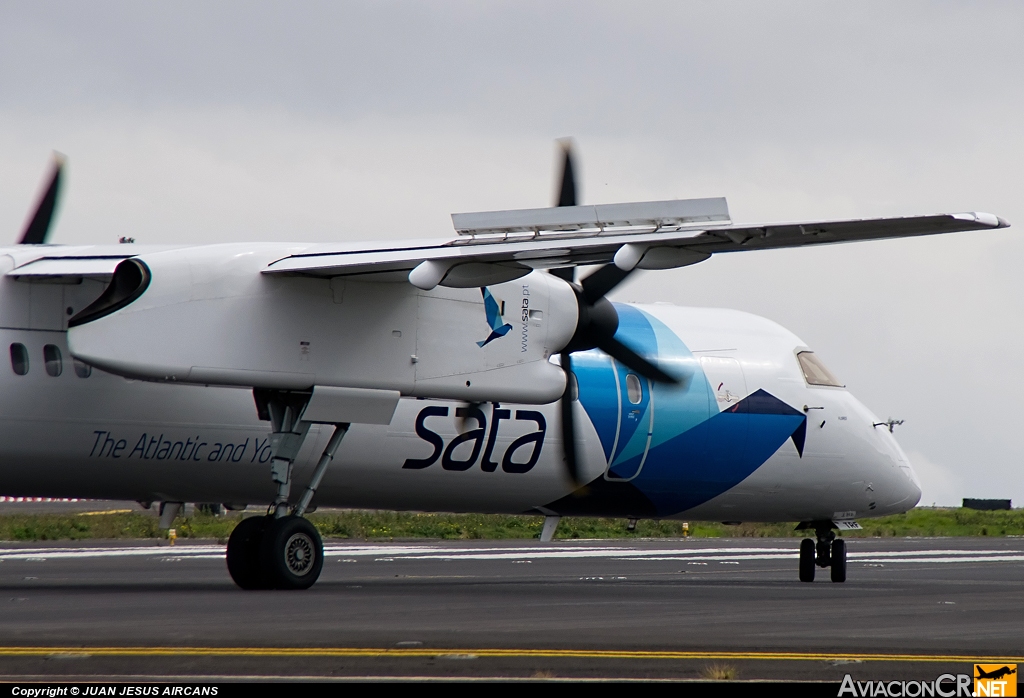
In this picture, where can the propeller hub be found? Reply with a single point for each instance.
(596, 320)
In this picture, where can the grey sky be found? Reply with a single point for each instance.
(202, 122)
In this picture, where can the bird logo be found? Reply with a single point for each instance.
(494, 319)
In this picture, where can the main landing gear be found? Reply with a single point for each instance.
(828, 551)
(270, 553)
(282, 550)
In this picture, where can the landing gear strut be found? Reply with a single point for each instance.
(282, 550)
(827, 551)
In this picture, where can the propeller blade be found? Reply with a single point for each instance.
(568, 424)
(633, 361)
(601, 282)
(463, 414)
(567, 190)
(39, 227)
(566, 197)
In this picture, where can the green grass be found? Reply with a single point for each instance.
(945, 522)
(76, 527)
(376, 525)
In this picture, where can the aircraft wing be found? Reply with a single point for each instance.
(69, 267)
(659, 234)
(778, 235)
(496, 246)
(71, 263)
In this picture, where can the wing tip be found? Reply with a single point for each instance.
(988, 220)
(991, 220)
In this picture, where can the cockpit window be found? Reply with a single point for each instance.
(815, 372)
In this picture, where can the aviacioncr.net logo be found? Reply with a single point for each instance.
(945, 686)
(995, 680)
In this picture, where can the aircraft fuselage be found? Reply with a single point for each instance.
(744, 437)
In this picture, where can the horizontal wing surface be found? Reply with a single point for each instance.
(90, 266)
(70, 263)
(539, 249)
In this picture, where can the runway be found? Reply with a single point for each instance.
(912, 608)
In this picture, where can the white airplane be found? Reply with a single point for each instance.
(469, 374)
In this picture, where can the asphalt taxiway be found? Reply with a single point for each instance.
(912, 608)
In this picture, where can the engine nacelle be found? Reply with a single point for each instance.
(207, 315)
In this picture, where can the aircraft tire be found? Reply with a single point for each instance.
(291, 553)
(839, 560)
(244, 553)
(807, 560)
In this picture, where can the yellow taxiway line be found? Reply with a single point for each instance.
(489, 652)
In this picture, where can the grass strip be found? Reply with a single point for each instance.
(380, 525)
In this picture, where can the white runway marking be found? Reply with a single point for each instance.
(393, 553)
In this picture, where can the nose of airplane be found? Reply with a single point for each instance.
(913, 486)
(904, 487)
(889, 484)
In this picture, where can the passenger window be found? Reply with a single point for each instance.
(82, 370)
(815, 372)
(633, 390)
(52, 359)
(19, 359)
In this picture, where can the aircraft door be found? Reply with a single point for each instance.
(725, 375)
(729, 437)
(635, 427)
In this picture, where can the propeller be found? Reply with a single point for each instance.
(38, 227)
(566, 197)
(567, 187)
(595, 328)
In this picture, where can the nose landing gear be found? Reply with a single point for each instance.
(827, 551)
(806, 560)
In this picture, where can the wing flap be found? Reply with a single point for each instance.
(649, 214)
